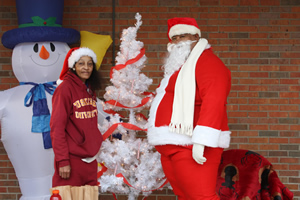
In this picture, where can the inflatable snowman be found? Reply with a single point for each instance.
(39, 45)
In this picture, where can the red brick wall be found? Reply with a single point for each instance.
(259, 41)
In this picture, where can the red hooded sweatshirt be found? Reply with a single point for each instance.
(74, 130)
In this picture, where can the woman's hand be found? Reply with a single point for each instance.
(64, 172)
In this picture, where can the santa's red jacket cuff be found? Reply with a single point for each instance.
(211, 137)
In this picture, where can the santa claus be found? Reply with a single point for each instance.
(188, 120)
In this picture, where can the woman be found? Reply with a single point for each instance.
(74, 131)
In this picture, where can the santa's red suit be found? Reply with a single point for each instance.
(213, 83)
(190, 180)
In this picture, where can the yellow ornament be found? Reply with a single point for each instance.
(96, 42)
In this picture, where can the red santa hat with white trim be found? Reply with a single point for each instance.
(72, 57)
(183, 25)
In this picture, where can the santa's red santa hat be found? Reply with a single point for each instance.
(72, 57)
(179, 26)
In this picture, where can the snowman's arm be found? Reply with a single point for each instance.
(101, 114)
(4, 97)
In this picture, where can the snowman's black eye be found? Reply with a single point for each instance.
(36, 48)
(52, 47)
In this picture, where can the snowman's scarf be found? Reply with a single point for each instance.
(41, 113)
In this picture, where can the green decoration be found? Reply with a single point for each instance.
(38, 21)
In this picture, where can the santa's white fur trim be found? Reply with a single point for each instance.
(224, 140)
(160, 92)
(162, 136)
(77, 54)
(58, 82)
(180, 29)
(211, 137)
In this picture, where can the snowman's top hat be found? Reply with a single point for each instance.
(39, 20)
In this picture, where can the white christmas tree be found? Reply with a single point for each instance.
(133, 167)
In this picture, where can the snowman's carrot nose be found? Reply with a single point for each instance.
(44, 54)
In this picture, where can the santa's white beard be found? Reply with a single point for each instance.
(178, 53)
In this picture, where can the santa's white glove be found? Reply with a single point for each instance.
(198, 151)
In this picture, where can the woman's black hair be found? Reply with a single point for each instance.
(95, 79)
